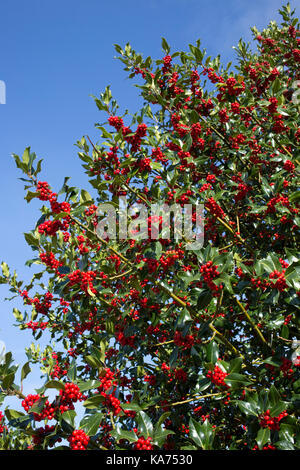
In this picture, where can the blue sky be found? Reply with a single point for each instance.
(54, 55)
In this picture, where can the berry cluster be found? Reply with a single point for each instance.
(41, 433)
(78, 440)
(180, 375)
(71, 394)
(267, 421)
(214, 208)
(49, 260)
(1, 421)
(48, 411)
(51, 227)
(289, 166)
(60, 369)
(286, 367)
(186, 342)
(280, 284)
(112, 403)
(217, 377)
(35, 325)
(210, 272)
(85, 279)
(107, 380)
(151, 379)
(143, 444)
(133, 138)
(44, 190)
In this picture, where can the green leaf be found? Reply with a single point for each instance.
(19, 164)
(94, 362)
(68, 420)
(173, 357)
(194, 116)
(79, 210)
(90, 424)
(38, 405)
(160, 436)
(26, 156)
(132, 406)
(263, 400)
(55, 384)
(85, 196)
(5, 269)
(165, 45)
(25, 371)
(235, 380)
(8, 380)
(30, 195)
(212, 352)
(188, 448)
(272, 362)
(31, 239)
(274, 396)
(285, 331)
(204, 299)
(285, 445)
(276, 85)
(161, 420)
(235, 364)
(203, 384)
(225, 279)
(287, 433)
(276, 409)
(88, 385)
(18, 315)
(187, 143)
(119, 434)
(13, 414)
(90, 292)
(72, 371)
(93, 402)
(263, 436)
(144, 424)
(201, 434)
(184, 317)
(158, 250)
(38, 167)
(99, 354)
(248, 408)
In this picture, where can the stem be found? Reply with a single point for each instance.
(166, 342)
(105, 242)
(255, 327)
(199, 397)
(225, 341)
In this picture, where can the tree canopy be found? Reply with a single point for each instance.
(166, 346)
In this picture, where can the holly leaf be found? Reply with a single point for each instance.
(90, 423)
(201, 434)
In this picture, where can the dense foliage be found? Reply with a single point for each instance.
(166, 347)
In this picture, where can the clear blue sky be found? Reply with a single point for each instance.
(54, 55)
